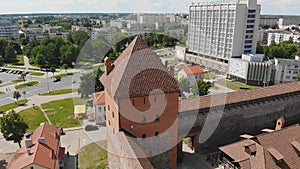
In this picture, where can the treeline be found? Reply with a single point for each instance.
(9, 50)
(54, 51)
(287, 50)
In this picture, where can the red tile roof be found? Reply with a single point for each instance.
(238, 96)
(98, 98)
(41, 154)
(278, 150)
(136, 72)
(193, 70)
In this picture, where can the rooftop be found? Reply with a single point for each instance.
(193, 70)
(137, 72)
(42, 154)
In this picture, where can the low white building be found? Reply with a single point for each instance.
(251, 69)
(286, 70)
(192, 73)
(281, 37)
(99, 107)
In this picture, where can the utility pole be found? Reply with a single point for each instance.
(48, 82)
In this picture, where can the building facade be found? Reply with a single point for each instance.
(286, 70)
(281, 37)
(219, 31)
(9, 30)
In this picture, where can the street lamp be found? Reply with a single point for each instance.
(47, 82)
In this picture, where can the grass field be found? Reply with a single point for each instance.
(60, 113)
(26, 84)
(92, 156)
(58, 92)
(63, 75)
(235, 85)
(10, 106)
(209, 75)
(33, 117)
(37, 73)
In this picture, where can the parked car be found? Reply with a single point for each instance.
(57, 79)
(91, 127)
(10, 137)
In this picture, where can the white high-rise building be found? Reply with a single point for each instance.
(221, 30)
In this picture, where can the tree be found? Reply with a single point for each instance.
(52, 69)
(23, 77)
(185, 84)
(80, 37)
(200, 88)
(41, 60)
(16, 95)
(64, 66)
(24, 93)
(90, 83)
(10, 54)
(12, 124)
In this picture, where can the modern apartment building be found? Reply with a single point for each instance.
(286, 70)
(9, 30)
(281, 37)
(221, 30)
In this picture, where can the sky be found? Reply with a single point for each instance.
(275, 7)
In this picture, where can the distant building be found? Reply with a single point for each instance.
(176, 33)
(281, 37)
(251, 69)
(221, 30)
(268, 21)
(275, 149)
(99, 107)
(284, 22)
(42, 150)
(9, 30)
(63, 35)
(286, 70)
(192, 73)
(118, 24)
(51, 29)
(107, 33)
(151, 19)
(263, 35)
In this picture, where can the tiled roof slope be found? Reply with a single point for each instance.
(41, 153)
(138, 71)
(98, 98)
(193, 70)
(275, 145)
(238, 96)
(282, 142)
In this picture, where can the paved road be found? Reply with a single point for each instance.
(42, 87)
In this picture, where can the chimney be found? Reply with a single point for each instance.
(42, 140)
(28, 143)
(28, 151)
(280, 123)
(108, 65)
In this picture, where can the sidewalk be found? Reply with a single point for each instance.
(39, 100)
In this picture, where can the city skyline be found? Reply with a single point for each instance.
(272, 7)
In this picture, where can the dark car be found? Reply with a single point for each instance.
(28, 134)
(91, 127)
(10, 137)
(57, 80)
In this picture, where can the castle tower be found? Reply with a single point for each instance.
(142, 100)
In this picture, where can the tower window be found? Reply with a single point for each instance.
(144, 100)
(144, 136)
(109, 122)
(156, 133)
(132, 101)
(108, 107)
(113, 114)
(144, 120)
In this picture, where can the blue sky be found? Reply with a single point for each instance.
(288, 7)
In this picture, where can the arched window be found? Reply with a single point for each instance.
(157, 118)
(144, 136)
(108, 107)
(156, 133)
(113, 114)
(144, 120)
(144, 100)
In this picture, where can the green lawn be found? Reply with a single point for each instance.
(63, 75)
(60, 113)
(20, 60)
(10, 106)
(170, 56)
(33, 117)
(26, 84)
(2, 93)
(58, 92)
(12, 82)
(37, 73)
(15, 67)
(92, 156)
(209, 75)
(235, 85)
